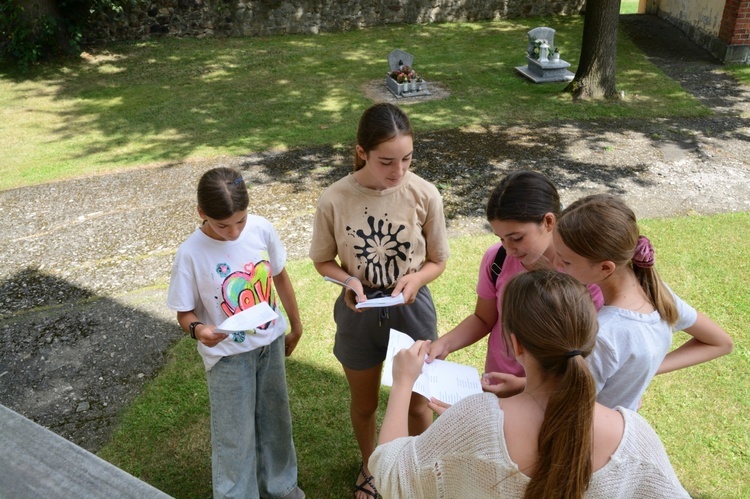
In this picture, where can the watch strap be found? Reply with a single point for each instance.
(192, 327)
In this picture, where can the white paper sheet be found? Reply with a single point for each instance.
(444, 380)
(386, 301)
(255, 316)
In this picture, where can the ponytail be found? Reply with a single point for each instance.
(563, 468)
(643, 266)
(553, 317)
(601, 228)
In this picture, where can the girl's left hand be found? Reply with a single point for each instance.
(409, 285)
(407, 364)
(291, 340)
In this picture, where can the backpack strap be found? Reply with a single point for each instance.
(497, 265)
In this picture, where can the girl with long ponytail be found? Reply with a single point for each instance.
(598, 241)
(552, 440)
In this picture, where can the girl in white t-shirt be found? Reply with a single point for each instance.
(229, 264)
(598, 241)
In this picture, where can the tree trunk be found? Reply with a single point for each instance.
(595, 77)
(34, 9)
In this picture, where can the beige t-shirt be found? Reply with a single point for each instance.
(380, 236)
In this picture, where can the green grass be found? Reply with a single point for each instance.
(700, 413)
(741, 72)
(629, 6)
(175, 99)
(703, 413)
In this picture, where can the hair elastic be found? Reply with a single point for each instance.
(238, 181)
(573, 353)
(643, 255)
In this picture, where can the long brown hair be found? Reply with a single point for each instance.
(553, 318)
(379, 123)
(602, 228)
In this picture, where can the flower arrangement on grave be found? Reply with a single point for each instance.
(405, 75)
(537, 48)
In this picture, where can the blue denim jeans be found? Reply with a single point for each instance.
(251, 427)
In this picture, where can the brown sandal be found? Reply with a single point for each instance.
(368, 482)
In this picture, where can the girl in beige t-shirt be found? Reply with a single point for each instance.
(380, 230)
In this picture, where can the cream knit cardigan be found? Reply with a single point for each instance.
(463, 455)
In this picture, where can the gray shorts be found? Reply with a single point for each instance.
(362, 338)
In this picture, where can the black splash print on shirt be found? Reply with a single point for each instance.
(381, 251)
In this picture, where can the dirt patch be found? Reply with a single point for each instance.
(85, 261)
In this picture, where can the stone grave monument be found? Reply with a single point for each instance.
(543, 59)
(402, 80)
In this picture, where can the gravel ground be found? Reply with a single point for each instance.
(85, 261)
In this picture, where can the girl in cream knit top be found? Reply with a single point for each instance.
(550, 441)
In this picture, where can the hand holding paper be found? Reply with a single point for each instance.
(385, 301)
(344, 285)
(407, 363)
(251, 318)
(443, 380)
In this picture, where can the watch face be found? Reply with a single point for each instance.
(193, 325)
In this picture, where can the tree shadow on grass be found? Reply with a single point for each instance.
(168, 100)
(613, 156)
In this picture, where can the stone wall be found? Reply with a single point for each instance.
(145, 19)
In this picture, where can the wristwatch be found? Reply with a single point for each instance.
(192, 327)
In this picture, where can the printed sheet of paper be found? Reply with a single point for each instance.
(386, 301)
(255, 316)
(444, 380)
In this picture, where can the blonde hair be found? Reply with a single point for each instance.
(601, 228)
(553, 317)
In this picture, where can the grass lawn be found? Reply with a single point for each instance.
(173, 99)
(701, 413)
(629, 6)
(739, 71)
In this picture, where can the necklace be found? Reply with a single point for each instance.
(543, 408)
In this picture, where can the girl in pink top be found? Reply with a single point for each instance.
(522, 211)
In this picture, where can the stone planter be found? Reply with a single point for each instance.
(408, 89)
